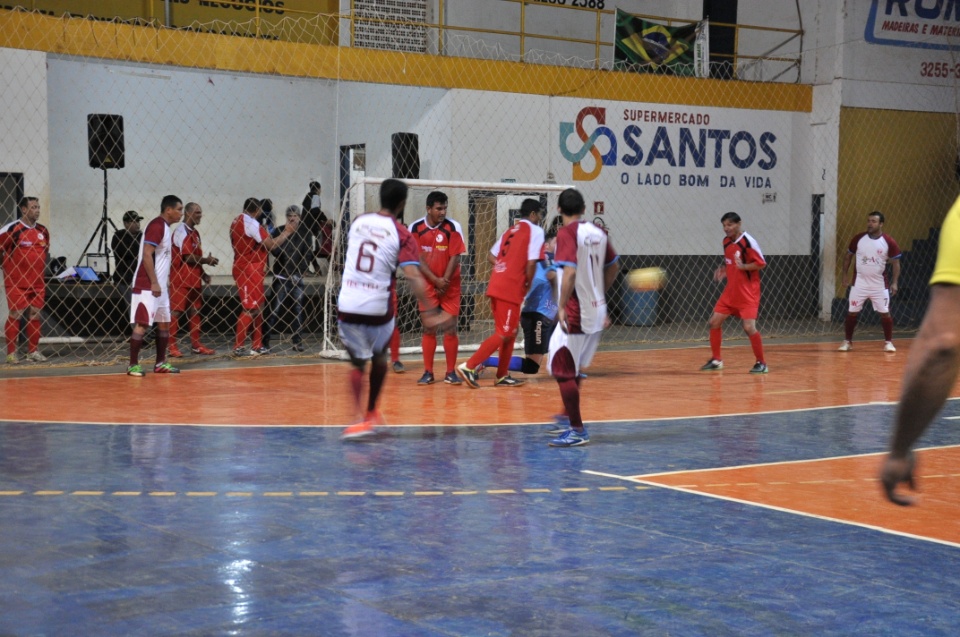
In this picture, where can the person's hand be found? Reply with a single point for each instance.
(893, 472)
(720, 274)
(893, 289)
(441, 285)
(562, 319)
(738, 261)
(205, 278)
(155, 289)
(212, 260)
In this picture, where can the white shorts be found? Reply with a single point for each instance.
(363, 341)
(879, 298)
(153, 309)
(582, 347)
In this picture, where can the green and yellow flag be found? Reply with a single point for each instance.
(648, 46)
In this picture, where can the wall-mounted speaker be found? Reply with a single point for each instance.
(406, 155)
(105, 141)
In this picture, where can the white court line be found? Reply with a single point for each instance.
(639, 480)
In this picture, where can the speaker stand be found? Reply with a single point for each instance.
(101, 231)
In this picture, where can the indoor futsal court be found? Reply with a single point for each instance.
(706, 504)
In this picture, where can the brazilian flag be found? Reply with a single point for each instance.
(652, 47)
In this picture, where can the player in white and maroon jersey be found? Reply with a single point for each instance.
(377, 245)
(24, 250)
(587, 265)
(743, 261)
(514, 258)
(150, 300)
(873, 249)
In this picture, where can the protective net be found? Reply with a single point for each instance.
(215, 119)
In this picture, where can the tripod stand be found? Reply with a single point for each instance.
(103, 245)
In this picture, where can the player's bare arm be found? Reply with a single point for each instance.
(895, 277)
(271, 243)
(610, 272)
(148, 267)
(418, 286)
(566, 291)
(931, 372)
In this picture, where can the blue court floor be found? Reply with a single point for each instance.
(181, 530)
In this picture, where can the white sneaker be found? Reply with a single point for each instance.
(37, 357)
(888, 347)
(845, 347)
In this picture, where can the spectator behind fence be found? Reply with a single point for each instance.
(187, 279)
(319, 228)
(126, 248)
(292, 260)
(251, 246)
(24, 249)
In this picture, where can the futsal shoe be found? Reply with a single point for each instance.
(359, 431)
(571, 438)
(173, 351)
(165, 368)
(759, 368)
(12, 359)
(239, 352)
(887, 347)
(398, 367)
(509, 381)
(468, 375)
(846, 346)
(260, 351)
(452, 379)
(135, 370)
(202, 351)
(298, 347)
(37, 357)
(712, 365)
(561, 422)
(426, 379)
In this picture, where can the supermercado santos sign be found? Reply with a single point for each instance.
(928, 24)
(676, 165)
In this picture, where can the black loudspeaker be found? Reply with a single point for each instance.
(406, 155)
(105, 141)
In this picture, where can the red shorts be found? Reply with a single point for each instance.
(449, 302)
(506, 317)
(743, 313)
(19, 299)
(183, 298)
(250, 287)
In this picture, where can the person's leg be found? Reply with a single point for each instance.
(174, 349)
(244, 321)
(451, 347)
(296, 294)
(429, 344)
(11, 331)
(378, 372)
(257, 338)
(756, 341)
(716, 339)
(136, 343)
(33, 333)
(850, 325)
(279, 295)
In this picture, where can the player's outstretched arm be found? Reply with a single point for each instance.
(929, 377)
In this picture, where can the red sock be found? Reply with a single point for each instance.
(570, 394)
(395, 345)
(451, 346)
(887, 323)
(716, 337)
(11, 330)
(243, 324)
(429, 351)
(194, 330)
(506, 351)
(258, 331)
(33, 334)
(136, 342)
(487, 348)
(849, 325)
(174, 319)
(757, 344)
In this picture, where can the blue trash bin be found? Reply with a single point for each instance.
(638, 308)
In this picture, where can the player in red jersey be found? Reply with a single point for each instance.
(187, 279)
(743, 261)
(251, 250)
(441, 244)
(377, 245)
(514, 259)
(24, 250)
(873, 249)
(587, 265)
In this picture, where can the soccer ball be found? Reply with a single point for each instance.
(646, 279)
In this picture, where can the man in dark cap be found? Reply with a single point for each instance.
(126, 248)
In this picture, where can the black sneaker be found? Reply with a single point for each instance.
(509, 381)
(712, 365)
(469, 376)
(426, 379)
(759, 368)
(452, 379)
(298, 347)
(260, 351)
(398, 367)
